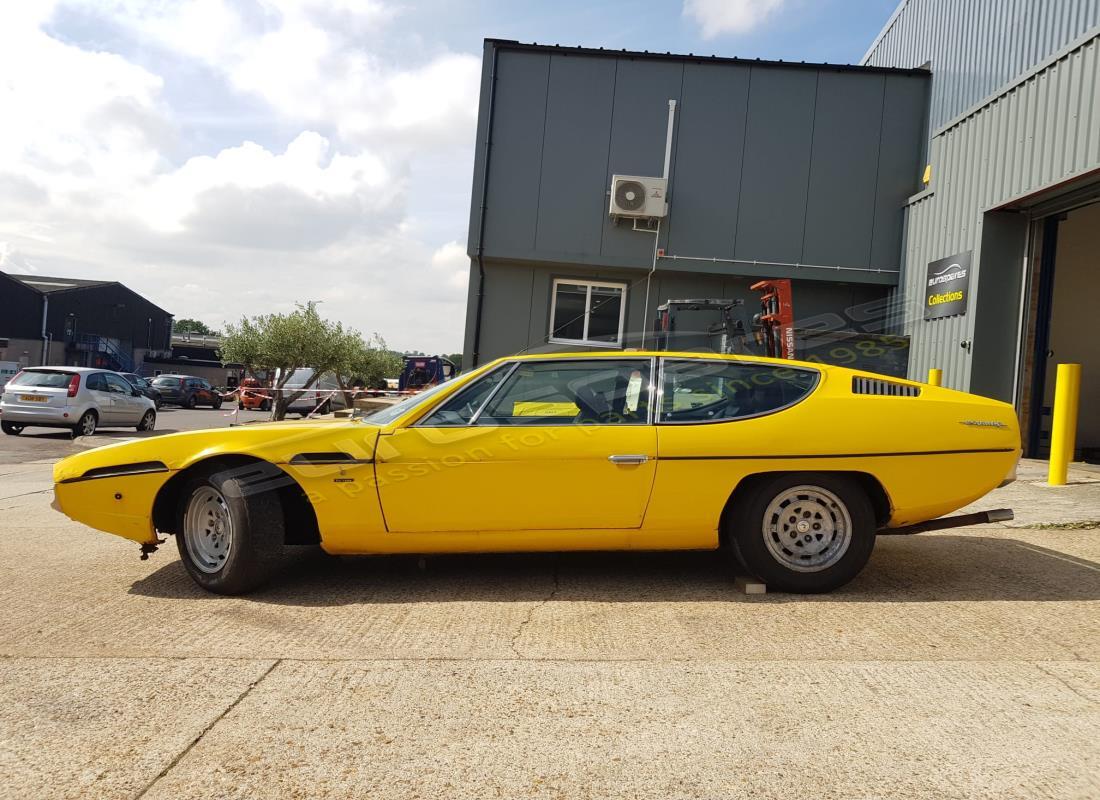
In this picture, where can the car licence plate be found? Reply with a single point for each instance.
(32, 398)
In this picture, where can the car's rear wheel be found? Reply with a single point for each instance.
(265, 405)
(229, 542)
(86, 425)
(148, 421)
(11, 428)
(217, 403)
(804, 532)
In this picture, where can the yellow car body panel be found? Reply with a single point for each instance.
(405, 488)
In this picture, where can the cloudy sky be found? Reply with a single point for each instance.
(229, 157)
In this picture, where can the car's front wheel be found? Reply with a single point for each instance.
(229, 541)
(11, 428)
(148, 421)
(804, 532)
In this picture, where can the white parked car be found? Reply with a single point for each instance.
(77, 398)
(323, 397)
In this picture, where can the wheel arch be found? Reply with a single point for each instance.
(872, 486)
(298, 513)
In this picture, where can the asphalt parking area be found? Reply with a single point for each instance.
(960, 664)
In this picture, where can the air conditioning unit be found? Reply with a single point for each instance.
(634, 196)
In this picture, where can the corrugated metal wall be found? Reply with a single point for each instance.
(977, 46)
(1040, 132)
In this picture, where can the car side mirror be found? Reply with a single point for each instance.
(135, 393)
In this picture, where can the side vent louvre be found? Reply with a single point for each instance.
(883, 388)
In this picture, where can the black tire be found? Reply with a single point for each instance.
(148, 421)
(86, 425)
(265, 405)
(191, 402)
(326, 407)
(829, 502)
(11, 428)
(217, 403)
(257, 534)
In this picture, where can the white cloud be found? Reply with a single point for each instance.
(717, 17)
(453, 264)
(91, 184)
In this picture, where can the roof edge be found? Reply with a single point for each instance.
(512, 44)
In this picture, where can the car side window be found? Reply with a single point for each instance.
(96, 383)
(461, 408)
(117, 385)
(715, 391)
(568, 392)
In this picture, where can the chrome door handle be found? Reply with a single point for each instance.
(641, 459)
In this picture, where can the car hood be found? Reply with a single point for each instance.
(277, 442)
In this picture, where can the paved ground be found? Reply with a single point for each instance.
(962, 664)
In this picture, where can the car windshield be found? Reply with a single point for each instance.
(43, 379)
(388, 415)
(166, 381)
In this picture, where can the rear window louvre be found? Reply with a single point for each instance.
(877, 386)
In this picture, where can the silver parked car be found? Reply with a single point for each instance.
(77, 398)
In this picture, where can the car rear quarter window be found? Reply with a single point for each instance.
(166, 382)
(96, 382)
(717, 391)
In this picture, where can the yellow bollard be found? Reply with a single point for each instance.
(935, 377)
(1067, 392)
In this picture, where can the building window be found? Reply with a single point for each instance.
(588, 312)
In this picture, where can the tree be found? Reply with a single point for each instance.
(283, 343)
(365, 363)
(456, 359)
(192, 326)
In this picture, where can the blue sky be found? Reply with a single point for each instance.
(229, 157)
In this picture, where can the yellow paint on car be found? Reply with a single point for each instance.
(417, 489)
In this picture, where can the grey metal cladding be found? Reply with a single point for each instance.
(479, 149)
(507, 293)
(843, 169)
(514, 174)
(638, 129)
(776, 169)
(904, 112)
(565, 121)
(976, 46)
(1045, 131)
(710, 144)
(572, 193)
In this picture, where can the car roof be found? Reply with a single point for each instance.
(61, 368)
(177, 375)
(691, 354)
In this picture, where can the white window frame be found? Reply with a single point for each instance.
(590, 285)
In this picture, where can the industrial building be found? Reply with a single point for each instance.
(78, 323)
(942, 190)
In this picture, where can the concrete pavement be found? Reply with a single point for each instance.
(960, 664)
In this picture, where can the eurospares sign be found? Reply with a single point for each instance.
(948, 286)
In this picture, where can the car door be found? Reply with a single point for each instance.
(562, 444)
(103, 398)
(126, 409)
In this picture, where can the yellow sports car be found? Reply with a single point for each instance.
(793, 467)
